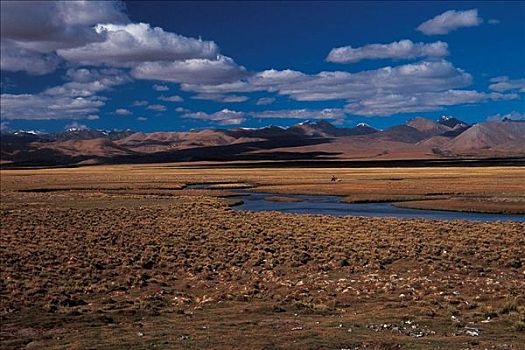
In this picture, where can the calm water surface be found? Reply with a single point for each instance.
(332, 205)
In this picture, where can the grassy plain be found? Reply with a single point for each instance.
(126, 257)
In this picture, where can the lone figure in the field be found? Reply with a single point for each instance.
(335, 179)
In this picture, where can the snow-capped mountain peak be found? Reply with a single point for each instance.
(31, 132)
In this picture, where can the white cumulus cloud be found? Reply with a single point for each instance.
(403, 49)
(263, 101)
(87, 82)
(75, 99)
(158, 87)
(416, 87)
(127, 45)
(173, 98)
(338, 85)
(122, 111)
(45, 26)
(449, 21)
(337, 114)
(509, 116)
(389, 104)
(223, 117)
(17, 59)
(139, 103)
(192, 71)
(31, 31)
(157, 107)
(44, 107)
(502, 84)
(221, 98)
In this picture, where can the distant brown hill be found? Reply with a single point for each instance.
(166, 141)
(428, 127)
(98, 147)
(490, 138)
(419, 138)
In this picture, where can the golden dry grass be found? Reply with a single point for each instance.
(125, 257)
(485, 189)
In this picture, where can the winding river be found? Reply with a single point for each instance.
(332, 205)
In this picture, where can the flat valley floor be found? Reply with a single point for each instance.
(128, 257)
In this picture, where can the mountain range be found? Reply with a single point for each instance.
(418, 138)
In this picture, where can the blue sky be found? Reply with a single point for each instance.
(182, 65)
